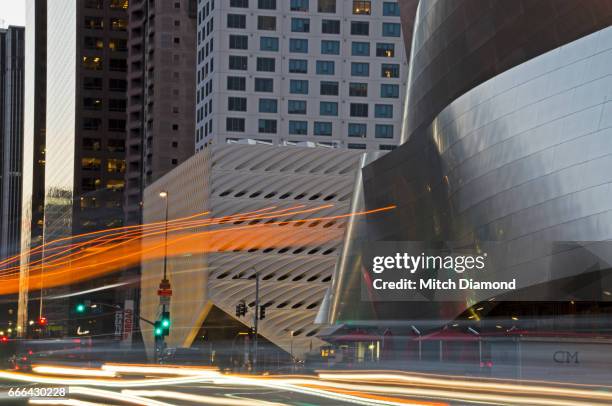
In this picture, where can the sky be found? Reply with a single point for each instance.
(12, 12)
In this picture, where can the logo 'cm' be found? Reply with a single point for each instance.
(566, 357)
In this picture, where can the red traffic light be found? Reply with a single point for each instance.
(42, 321)
(4, 339)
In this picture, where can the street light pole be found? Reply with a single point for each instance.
(164, 195)
(165, 284)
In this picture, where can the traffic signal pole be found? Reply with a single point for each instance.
(255, 319)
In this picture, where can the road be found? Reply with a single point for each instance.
(121, 384)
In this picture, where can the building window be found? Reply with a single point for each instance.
(389, 91)
(93, 124)
(115, 125)
(385, 50)
(391, 30)
(236, 83)
(117, 85)
(117, 65)
(298, 45)
(266, 4)
(300, 25)
(92, 62)
(360, 28)
(97, 4)
(298, 127)
(362, 7)
(267, 23)
(92, 83)
(239, 3)
(359, 109)
(118, 24)
(234, 124)
(118, 105)
(358, 89)
(94, 23)
(384, 131)
(329, 89)
(298, 86)
(117, 45)
(330, 26)
(91, 164)
(238, 62)
(264, 85)
(383, 111)
(328, 108)
(268, 44)
(360, 49)
(327, 6)
(238, 42)
(92, 144)
(298, 66)
(116, 145)
(93, 43)
(360, 69)
(237, 103)
(322, 128)
(115, 165)
(356, 146)
(296, 107)
(384, 147)
(299, 5)
(236, 21)
(268, 106)
(391, 9)
(266, 64)
(330, 47)
(390, 70)
(357, 130)
(267, 126)
(325, 67)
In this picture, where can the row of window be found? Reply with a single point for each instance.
(326, 108)
(114, 85)
(97, 23)
(95, 124)
(97, 43)
(321, 128)
(359, 7)
(113, 4)
(95, 164)
(238, 21)
(96, 104)
(238, 83)
(96, 63)
(265, 64)
(300, 45)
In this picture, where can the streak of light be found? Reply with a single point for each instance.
(67, 402)
(124, 398)
(165, 370)
(52, 370)
(211, 400)
(463, 384)
(83, 292)
(116, 258)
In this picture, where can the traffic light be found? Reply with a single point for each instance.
(42, 321)
(4, 339)
(241, 309)
(262, 312)
(80, 308)
(251, 332)
(158, 331)
(165, 324)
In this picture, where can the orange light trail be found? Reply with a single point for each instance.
(120, 249)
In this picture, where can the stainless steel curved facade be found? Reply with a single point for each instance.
(459, 44)
(522, 158)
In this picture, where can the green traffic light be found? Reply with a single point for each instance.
(158, 331)
(165, 323)
(80, 308)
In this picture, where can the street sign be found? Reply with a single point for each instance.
(164, 292)
(164, 300)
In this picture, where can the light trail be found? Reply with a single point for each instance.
(124, 398)
(132, 252)
(52, 370)
(67, 402)
(210, 400)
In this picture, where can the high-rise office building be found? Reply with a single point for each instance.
(283, 72)
(33, 175)
(161, 93)
(85, 125)
(11, 137)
